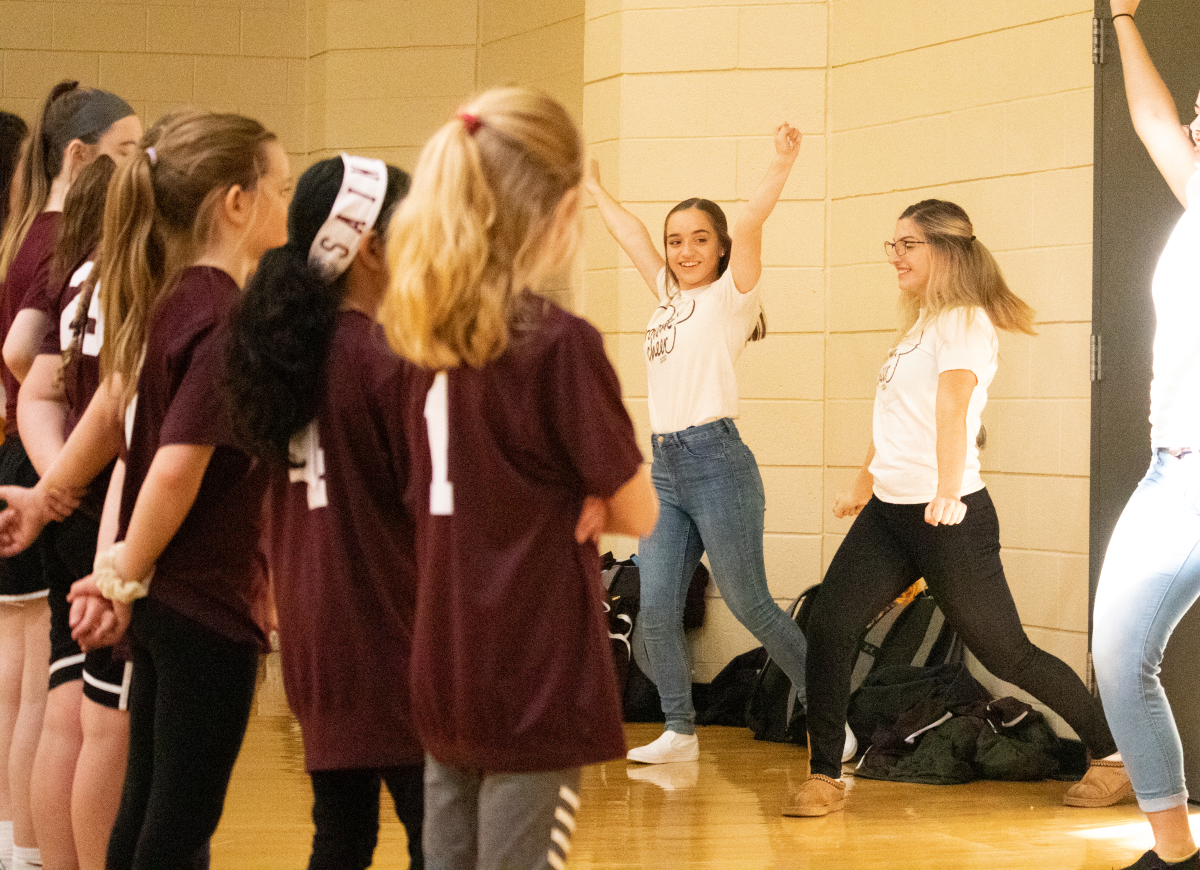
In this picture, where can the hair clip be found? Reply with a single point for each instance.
(972, 238)
(471, 122)
(152, 156)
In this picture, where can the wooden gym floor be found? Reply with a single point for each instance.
(721, 812)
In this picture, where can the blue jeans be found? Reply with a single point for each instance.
(710, 498)
(1151, 576)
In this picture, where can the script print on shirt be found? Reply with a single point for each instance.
(660, 337)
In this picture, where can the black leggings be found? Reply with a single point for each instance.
(346, 814)
(890, 547)
(189, 703)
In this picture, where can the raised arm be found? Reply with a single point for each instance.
(631, 234)
(953, 396)
(1151, 106)
(745, 260)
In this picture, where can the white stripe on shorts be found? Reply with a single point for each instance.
(121, 691)
(67, 662)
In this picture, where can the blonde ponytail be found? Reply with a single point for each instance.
(477, 228)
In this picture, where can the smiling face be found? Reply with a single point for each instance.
(693, 249)
(912, 269)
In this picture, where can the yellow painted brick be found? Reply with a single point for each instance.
(635, 301)
(297, 86)
(317, 16)
(630, 363)
(274, 33)
(31, 74)
(1070, 646)
(167, 77)
(794, 235)
(793, 298)
(222, 82)
(1014, 375)
(782, 432)
(847, 431)
(98, 27)
(1061, 355)
(675, 169)
(567, 88)
(1041, 513)
(639, 412)
(1062, 207)
(194, 31)
(601, 47)
(753, 102)
(788, 366)
(794, 36)
(286, 122)
(599, 8)
(1057, 282)
(672, 4)
(500, 19)
(1062, 53)
(863, 298)
(315, 90)
(677, 40)
(1076, 437)
(26, 108)
(543, 54)
(1048, 132)
(836, 480)
(665, 105)
(25, 26)
(859, 225)
(250, 4)
(373, 73)
(793, 563)
(807, 179)
(600, 298)
(829, 548)
(852, 363)
(1024, 436)
(388, 24)
(601, 112)
(864, 29)
(315, 128)
(356, 124)
(1050, 589)
(598, 249)
(793, 499)
(717, 641)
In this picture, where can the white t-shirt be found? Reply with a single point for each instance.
(1175, 390)
(905, 421)
(692, 341)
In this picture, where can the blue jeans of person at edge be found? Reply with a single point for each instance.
(711, 499)
(1150, 578)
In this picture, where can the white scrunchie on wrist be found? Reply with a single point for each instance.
(110, 583)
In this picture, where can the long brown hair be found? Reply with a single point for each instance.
(963, 272)
(70, 112)
(13, 131)
(479, 226)
(159, 217)
(83, 216)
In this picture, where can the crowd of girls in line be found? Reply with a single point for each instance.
(439, 447)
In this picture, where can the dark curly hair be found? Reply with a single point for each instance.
(13, 131)
(281, 329)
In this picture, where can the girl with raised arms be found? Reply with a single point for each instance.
(186, 221)
(709, 489)
(921, 508)
(520, 454)
(76, 125)
(312, 384)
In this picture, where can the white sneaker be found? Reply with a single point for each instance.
(669, 747)
(851, 748)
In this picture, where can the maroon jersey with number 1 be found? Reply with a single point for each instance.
(512, 669)
(212, 571)
(342, 555)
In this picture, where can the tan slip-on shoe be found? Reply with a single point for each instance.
(1105, 783)
(817, 796)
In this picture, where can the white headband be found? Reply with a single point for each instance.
(358, 203)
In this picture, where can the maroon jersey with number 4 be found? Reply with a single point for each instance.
(512, 669)
(212, 571)
(24, 287)
(342, 555)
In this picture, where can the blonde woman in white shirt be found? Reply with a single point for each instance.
(709, 488)
(921, 509)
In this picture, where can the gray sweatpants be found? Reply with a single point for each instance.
(498, 821)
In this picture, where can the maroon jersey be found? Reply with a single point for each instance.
(512, 669)
(25, 287)
(212, 571)
(341, 552)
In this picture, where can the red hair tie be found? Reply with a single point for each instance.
(471, 122)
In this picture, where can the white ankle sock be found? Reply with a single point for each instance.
(26, 858)
(6, 845)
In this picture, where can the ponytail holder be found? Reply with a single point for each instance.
(972, 238)
(471, 122)
(152, 156)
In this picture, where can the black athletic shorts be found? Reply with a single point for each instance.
(21, 577)
(69, 549)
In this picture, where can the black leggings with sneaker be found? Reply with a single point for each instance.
(890, 547)
(346, 814)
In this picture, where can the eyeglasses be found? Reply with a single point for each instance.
(901, 247)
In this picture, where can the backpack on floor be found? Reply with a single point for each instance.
(911, 631)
